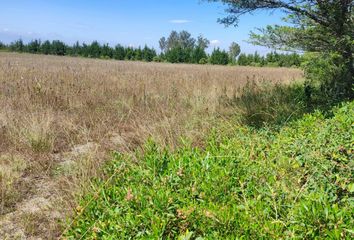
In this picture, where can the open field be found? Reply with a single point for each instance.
(60, 119)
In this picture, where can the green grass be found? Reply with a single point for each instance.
(292, 183)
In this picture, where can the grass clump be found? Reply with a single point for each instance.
(12, 167)
(296, 182)
(261, 104)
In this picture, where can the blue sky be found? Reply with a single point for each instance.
(129, 22)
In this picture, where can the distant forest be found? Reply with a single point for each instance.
(178, 47)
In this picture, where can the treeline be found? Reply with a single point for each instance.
(93, 50)
(178, 47)
(272, 59)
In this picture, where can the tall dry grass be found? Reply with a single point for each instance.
(60, 117)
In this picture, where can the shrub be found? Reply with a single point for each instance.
(203, 61)
(156, 59)
(293, 183)
(322, 72)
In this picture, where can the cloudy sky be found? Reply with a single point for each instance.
(129, 22)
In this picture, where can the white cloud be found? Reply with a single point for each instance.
(215, 42)
(179, 21)
(5, 29)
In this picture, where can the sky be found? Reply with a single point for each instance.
(128, 22)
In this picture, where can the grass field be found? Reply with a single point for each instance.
(61, 118)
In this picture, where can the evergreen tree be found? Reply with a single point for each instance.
(119, 52)
(94, 50)
(58, 48)
(107, 51)
(17, 46)
(198, 53)
(2, 46)
(46, 48)
(34, 46)
(219, 57)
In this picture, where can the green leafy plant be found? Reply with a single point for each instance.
(296, 182)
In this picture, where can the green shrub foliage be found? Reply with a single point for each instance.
(293, 183)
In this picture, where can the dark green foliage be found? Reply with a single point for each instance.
(34, 46)
(76, 49)
(58, 48)
(178, 55)
(46, 48)
(148, 54)
(129, 54)
(4, 47)
(219, 57)
(17, 46)
(197, 54)
(294, 183)
(93, 50)
(107, 51)
(119, 52)
(321, 71)
(272, 59)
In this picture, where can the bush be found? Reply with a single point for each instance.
(203, 61)
(322, 72)
(295, 183)
(156, 59)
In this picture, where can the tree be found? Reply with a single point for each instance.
(219, 57)
(179, 55)
(172, 40)
(148, 53)
(129, 53)
(94, 50)
(197, 54)
(138, 54)
(182, 39)
(119, 52)
(243, 60)
(182, 47)
(76, 49)
(234, 51)
(163, 44)
(320, 26)
(186, 40)
(202, 42)
(2, 46)
(34, 46)
(107, 51)
(17, 46)
(58, 48)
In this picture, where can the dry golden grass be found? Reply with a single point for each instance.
(60, 117)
